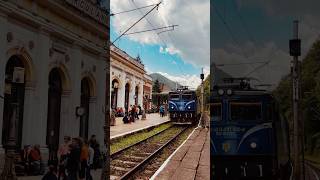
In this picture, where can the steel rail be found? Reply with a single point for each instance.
(113, 155)
(151, 156)
(315, 170)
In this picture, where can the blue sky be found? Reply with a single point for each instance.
(260, 31)
(180, 54)
(153, 60)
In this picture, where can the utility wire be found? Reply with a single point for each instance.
(170, 55)
(245, 27)
(259, 67)
(228, 29)
(156, 6)
(137, 32)
(244, 63)
(234, 39)
(113, 14)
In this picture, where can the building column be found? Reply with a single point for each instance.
(132, 93)
(67, 126)
(28, 135)
(93, 124)
(3, 60)
(140, 99)
(121, 91)
(75, 93)
(40, 106)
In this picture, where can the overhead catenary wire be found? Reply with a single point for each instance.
(156, 6)
(163, 42)
(143, 7)
(235, 40)
(148, 30)
(244, 63)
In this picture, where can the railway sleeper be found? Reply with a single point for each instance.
(121, 169)
(125, 162)
(133, 157)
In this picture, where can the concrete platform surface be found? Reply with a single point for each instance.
(96, 175)
(121, 129)
(190, 161)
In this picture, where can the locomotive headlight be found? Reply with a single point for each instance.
(229, 91)
(253, 145)
(172, 107)
(189, 107)
(220, 92)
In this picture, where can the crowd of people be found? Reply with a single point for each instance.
(133, 114)
(76, 158)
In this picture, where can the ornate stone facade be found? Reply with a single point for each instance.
(59, 51)
(127, 79)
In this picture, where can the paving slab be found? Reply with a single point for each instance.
(190, 161)
(184, 173)
(120, 129)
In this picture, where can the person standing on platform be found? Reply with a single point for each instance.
(84, 156)
(136, 112)
(132, 114)
(161, 111)
(63, 152)
(96, 147)
(73, 161)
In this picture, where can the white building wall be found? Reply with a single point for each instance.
(36, 91)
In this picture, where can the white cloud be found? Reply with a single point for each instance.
(308, 14)
(190, 80)
(170, 50)
(190, 40)
(278, 66)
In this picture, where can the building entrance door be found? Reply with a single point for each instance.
(126, 98)
(54, 109)
(85, 103)
(14, 94)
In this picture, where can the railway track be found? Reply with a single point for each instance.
(311, 171)
(130, 160)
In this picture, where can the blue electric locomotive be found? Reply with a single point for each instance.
(249, 140)
(183, 106)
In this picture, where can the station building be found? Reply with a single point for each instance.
(130, 85)
(147, 92)
(52, 61)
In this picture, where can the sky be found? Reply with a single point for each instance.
(179, 54)
(259, 31)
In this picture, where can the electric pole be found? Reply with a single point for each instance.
(295, 51)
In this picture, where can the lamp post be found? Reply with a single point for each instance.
(8, 172)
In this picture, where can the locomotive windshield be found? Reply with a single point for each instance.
(187, 96)
(245, 111)
(174, 96)
(216, 110)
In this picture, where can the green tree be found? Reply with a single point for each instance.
(310, 98)
(206, 94)
(156, 87)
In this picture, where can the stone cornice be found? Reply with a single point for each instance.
(127, 62)
(15, 11)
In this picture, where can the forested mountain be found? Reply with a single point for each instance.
(310, 102)
(163, 80)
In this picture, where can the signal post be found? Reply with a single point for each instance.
(295, 51)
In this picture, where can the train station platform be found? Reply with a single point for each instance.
(190, 161)
(121, 129)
